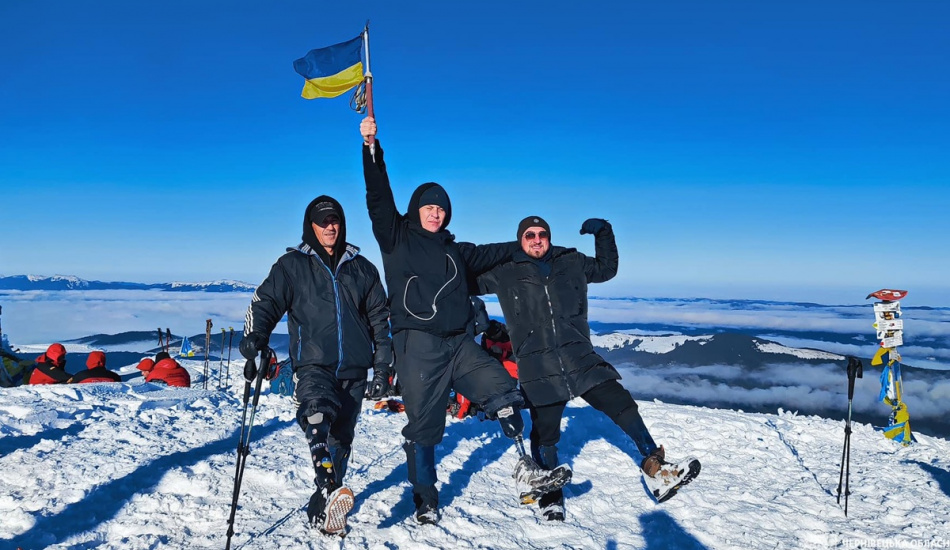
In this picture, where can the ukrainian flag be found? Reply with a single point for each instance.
(331, 71)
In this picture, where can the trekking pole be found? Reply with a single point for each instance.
(227, 381)
(221, 358)
(168, 340)
(207, 349)
(251, 374)
(161, 342)
(855, 370)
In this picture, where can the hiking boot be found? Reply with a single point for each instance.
(427, 514)
(664, 479)
(328, 508)
(538, 480)
(654, 462)
(553, 511)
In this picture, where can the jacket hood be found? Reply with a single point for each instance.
(311, 239)
(96, 359)
(412, 213)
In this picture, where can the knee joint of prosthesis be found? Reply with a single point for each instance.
(511, 422)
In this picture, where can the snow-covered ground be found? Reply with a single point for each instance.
(139, 466)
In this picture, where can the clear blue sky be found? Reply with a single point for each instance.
(759, 144)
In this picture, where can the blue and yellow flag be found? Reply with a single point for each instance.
(331, 71)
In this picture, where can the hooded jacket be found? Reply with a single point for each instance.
(96, 371)
(50, 366)
(168, 371)
(547, 318)
(336, 318)
(426, 272)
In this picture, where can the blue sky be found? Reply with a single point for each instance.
(743, 149)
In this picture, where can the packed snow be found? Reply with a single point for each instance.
(138, 466)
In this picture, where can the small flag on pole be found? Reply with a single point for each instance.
(331, 71)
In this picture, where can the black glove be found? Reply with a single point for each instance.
(252, 344)
(380, 386)
(593, 226)
(497, 332)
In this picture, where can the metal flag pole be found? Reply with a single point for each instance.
(369, 81)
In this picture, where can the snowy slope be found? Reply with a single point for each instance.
(137, 466)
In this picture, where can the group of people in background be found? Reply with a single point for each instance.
(50, 368)
(337, 316)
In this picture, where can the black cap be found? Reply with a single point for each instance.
(434, 195)
(533, 221)
(321, 210)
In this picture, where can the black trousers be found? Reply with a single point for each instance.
(430, 366)
(607, 397)
(317, 390)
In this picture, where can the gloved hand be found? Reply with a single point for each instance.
(594, 226)
(497, 331)
(252, 344)
(380, 386)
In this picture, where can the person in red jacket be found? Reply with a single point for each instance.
(96, 371)
(146, 365)
(168, 371)
(51, 366)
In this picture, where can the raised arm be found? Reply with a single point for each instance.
(603, 266)
(380, 203)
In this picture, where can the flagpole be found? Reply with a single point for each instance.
(369, 82)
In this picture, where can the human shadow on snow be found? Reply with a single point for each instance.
(106, 500)
(662, 532)
(941, 476)
(8, 444)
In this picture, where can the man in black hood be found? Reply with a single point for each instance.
(427, 275)
(339, 328)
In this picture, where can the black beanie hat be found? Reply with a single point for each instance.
(533, 221)
(434, 195)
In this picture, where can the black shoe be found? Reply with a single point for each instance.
(427, 514)
(553, 512)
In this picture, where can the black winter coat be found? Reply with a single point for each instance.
(335, 319)
(426, 273)
(547, 319)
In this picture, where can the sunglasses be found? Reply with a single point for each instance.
(530, 235)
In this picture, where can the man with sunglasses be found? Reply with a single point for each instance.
(339, 327)
(543, 295)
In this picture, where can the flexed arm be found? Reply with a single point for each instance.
(380, 203)
(604, 265)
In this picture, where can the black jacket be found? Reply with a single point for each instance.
(426, 273)
(336, 319)
(547, 319)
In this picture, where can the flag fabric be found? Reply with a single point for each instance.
(331, 71)
(186, 350)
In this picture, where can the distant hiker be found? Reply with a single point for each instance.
(543, 295)
(426, 275)
(146, 365)
(13, 370)
(50, 366)
(96, 371)
(339, 329)
(167, 371)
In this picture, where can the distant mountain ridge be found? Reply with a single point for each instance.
(69, 282)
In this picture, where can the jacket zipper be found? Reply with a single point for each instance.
(567, 380)
(339, 310)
